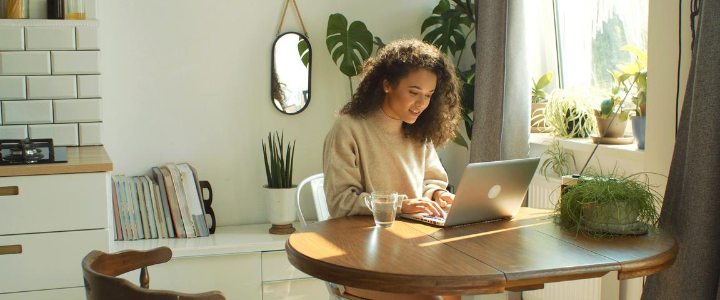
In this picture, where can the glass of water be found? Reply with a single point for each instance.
(384, 206)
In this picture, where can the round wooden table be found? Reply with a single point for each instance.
(514, 255)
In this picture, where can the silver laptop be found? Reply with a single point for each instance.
(487, 191)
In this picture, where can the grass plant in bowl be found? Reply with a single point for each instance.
(608, 204)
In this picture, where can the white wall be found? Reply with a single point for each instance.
(188, 81)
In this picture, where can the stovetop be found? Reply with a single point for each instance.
(31, 151)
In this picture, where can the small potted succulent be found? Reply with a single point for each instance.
(601, 204)
(280, 189)
(539, 102)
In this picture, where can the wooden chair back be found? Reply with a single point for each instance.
(100, 271)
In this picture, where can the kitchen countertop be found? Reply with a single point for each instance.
(80, 160)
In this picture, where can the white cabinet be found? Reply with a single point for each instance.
(243, 262)
(77, 293)
(50, 218)
(283, 281)
(236, 276)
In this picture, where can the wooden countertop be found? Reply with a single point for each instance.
(80, 160)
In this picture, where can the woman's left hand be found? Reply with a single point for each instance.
(443, 198)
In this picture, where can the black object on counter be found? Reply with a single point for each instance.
(56, 9)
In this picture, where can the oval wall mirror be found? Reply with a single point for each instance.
(290, 73)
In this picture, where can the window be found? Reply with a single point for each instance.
(589, 36)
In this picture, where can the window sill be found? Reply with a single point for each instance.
(629, 151)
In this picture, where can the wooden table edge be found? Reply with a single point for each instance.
(490, 284)
(650, 265)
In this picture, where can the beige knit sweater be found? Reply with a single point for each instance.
(365, 155)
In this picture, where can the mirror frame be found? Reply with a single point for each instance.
(309, 67)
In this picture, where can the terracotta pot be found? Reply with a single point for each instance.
(616, 130)
(281, 209)
(537, 119)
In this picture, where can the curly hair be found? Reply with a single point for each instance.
(396, 61)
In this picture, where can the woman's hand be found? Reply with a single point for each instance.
(443, 197)
(422, 205)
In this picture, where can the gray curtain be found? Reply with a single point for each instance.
(691, 209)
(501, 117)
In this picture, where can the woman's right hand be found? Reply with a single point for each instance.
(422, 205)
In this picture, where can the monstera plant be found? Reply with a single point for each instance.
(448, 27)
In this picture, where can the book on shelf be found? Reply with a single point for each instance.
(167, 204)
(158, 177)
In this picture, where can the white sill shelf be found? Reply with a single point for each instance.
(629, 151)
(47, 23)
(226, 240)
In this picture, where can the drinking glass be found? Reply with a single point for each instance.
(384, 206)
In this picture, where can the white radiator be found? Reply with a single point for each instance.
(586, 289)
(544, 194)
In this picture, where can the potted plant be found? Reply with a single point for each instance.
(539, 101)
(632, 78)
(611, 121)
(601, 204)
(557, 160)
(280, 189)
(568, 112)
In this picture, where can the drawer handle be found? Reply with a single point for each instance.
(10, 249)
(9, 191)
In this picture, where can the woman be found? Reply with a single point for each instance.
(407, 102)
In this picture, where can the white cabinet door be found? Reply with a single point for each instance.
(47, 203)
(48, 260)
(296, 289)
(275, 266)
(237, 276)
(77, 293)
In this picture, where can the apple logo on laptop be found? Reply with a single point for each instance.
(494, 191)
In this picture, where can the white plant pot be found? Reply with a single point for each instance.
(281, 209)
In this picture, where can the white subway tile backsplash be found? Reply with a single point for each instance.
(12, 87)
(78, 110)
(27, 112)
(50, 38)
(76, 62)
(88, 86)
(90, 134)
(12, 38)
(62, 134)
(13, 132)
(25, 63)
(52, 87)
(87, 38)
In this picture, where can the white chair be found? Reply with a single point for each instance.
(316, 185)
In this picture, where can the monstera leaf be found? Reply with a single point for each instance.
(348, 46)
(443, 27)
(304, 51)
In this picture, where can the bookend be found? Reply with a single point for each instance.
(208, 202)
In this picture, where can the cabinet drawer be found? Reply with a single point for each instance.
(48, 260)
(235, 275)
(275, 266)
(298, 289)
(53, 203)
(77, 293)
